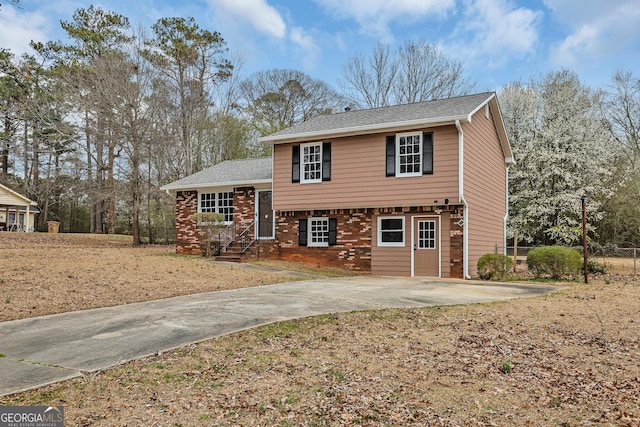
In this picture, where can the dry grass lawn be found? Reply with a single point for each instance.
(54, 273)
(565, 359)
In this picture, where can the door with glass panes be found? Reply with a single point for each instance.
(426, 246)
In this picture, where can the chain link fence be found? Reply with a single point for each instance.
(616, 260)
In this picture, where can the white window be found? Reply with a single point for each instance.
(311, 162)
(409, 154)
(218, 203)
(391, 231)
(318, 232)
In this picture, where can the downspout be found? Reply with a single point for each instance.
(506, 211)
(465, 234)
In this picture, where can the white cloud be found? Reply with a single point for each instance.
(597, 35)
(263, 17)
(374, 16)
(498, 30)
(310, 51)
(18, 28)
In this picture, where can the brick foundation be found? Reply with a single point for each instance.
(352, 251)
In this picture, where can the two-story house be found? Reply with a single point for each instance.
(406, 190)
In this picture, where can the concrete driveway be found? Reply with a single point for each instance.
(47, 349)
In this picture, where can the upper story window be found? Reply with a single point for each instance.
(409, 154)
(218, 203)
(311, 162)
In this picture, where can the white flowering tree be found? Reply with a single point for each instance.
(563, 152)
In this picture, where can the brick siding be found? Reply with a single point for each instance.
(244, 207)
(352, 251)
(457, 242)
(188, 236)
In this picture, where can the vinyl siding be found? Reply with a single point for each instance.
(484, 187)
(396, 261)
(358, 176)
(391, 261)
(9, 199)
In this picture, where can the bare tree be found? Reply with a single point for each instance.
(621, 223)
(622, 108)
(95, 36)
(416, 71)
(276, 99)
(368, 81)
(425, 73)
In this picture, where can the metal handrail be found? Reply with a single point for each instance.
(229, 235)
(245, 237)
(225, 238)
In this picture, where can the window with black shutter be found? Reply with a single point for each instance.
(318, 231)
(409, 154)
(311, 162)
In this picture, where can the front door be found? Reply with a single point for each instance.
(264, 215)
(426, 247)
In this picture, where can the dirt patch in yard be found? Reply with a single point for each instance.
(564, 359)
(55, 273)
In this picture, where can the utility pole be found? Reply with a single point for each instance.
(584, 240)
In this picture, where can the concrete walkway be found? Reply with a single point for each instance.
(47, 349)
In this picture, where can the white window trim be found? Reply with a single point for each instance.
(310, 242)
(302, 164)
(391, 244)
(406, 175)
(215, 204)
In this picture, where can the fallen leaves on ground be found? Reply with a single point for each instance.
(565, 359)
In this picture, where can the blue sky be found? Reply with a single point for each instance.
(499, 40)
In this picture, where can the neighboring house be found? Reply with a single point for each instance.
(17, 213)
(408, 190)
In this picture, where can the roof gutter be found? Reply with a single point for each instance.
(358, 130)
(186, 187)
(465, 234)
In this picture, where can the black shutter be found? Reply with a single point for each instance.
(302, 232)
(427, 153)
(295, 163)
(333, 231)
(326, 161)
(391, 155)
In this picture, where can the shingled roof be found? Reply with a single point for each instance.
(227, 173)
(442, 111)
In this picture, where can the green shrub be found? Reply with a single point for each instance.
(555, 261)
(596, 267)
(494, 266)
